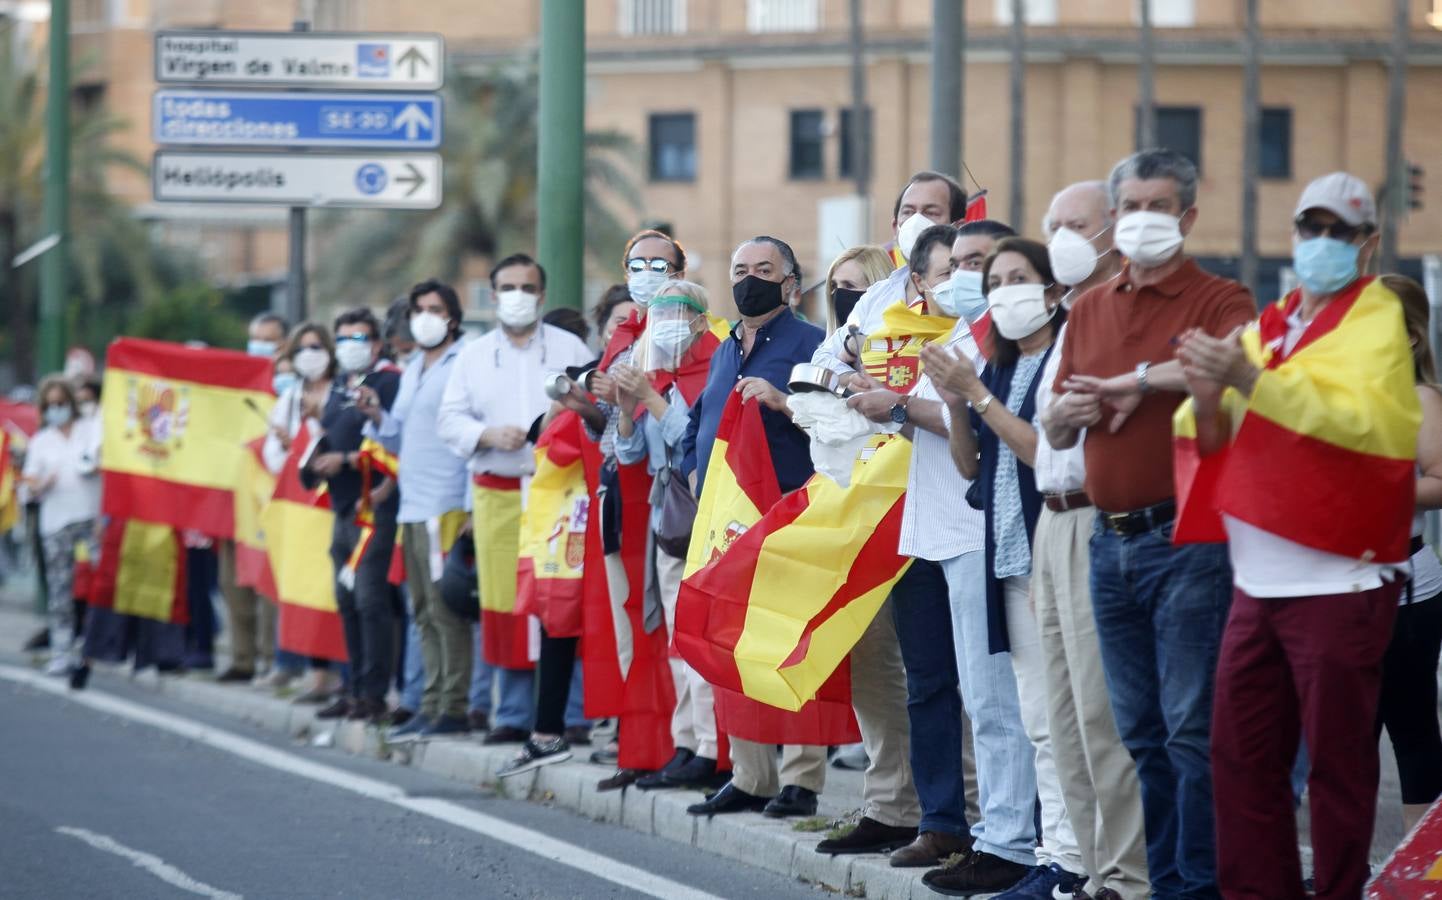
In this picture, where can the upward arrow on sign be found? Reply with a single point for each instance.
(413, 56)
(412, 119)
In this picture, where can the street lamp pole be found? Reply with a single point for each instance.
(561, 162)
(54, 282)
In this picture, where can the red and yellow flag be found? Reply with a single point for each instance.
(1324, 452)
(553, 530)
(893, 355)
(252, 496)
(9, 501)
(141, 571)
(496, 530)
(176, 422)
(748, 485)
(297, 524)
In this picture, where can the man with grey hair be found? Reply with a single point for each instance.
(1159, 608)
(1098, 782)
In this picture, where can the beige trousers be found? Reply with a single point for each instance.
(693, 723)
(753, 767)
(878, 695)
(1098, 779)
(251, 617)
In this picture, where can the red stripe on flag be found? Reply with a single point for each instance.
(252, 570)
(497, 482)
(210, 511)
(827, 720)
(218, 368)
(506, 640)
(312, 632)
(1196, 478)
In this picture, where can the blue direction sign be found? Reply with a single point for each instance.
(252, 119)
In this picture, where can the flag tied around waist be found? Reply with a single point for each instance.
(551, 572)
(496, 531)
(141, 571)
(297, 524)
(1324, 451)
(252, 495)
(176, 421)
(893, 355)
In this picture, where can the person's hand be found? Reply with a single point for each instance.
(40, 486)
(1220, 360)
(1076, 410)
(875, 404)
(1123, 393)
(603, 386)
(860, 382)
(952, 372)
(383, 493)
(282, 436)
(762, 391)
(503, 437)
(327, 465)
(310, 408)
(634, 382)
(575, 399)
(369, 403)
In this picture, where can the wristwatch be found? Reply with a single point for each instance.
(1142, 377)
(898, 411)
(984, 405)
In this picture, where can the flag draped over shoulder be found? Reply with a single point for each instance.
(297, 524)
(1325, 451)
(550, 577)
(893, 355)
(141, 571)
(253, 492)
(176, 420)
(496, 530)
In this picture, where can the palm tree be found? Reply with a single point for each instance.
(489, 156)
(22, 138)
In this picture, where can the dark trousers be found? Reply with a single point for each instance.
(201, 573)
(369, 609)
(1408, 706)
(553, 682)
(1293, 667)
(921, 608)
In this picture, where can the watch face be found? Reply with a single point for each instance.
(898, 414)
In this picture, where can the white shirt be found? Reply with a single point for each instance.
(866, 315)
(1057, 471)
(494, 384)
(936, 522)
(73, 460)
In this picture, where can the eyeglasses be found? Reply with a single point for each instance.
(658, 264)
(1310, 228)
(355, 338)
(310, 347)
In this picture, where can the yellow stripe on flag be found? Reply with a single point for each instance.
(145, 579)
(553, 525)
(893, 355)
(496, 527)
(722, 515)
(297, 538)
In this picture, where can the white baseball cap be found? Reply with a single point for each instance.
(1344, 195)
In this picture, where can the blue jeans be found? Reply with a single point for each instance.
(575, 714)
(1160, 610)
(413, 678)
(517, 687)
(1005, 758)
(922, 613)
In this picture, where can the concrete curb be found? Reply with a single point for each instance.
(747, 837)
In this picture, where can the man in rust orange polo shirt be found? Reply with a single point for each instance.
(1159, 608)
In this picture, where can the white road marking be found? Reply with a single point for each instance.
(149, 862)
(534, 842)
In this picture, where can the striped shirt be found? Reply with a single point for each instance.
(936, 522)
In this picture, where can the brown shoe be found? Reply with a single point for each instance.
(929, 849)
(338, 709)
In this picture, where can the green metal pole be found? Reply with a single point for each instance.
(54, 289)
(561, 155)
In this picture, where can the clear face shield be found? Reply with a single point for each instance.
(673, 323)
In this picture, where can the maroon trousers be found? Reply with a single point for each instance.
(1290, 667)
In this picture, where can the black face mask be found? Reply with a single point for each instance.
(756, 296)
(844, 300)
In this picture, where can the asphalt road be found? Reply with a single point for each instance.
(94, 804)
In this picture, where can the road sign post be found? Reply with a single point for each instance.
(302, 59)
(231, 118)
(376, 180)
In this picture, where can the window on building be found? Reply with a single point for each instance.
(652, 17)
(1167, 13)
(782, 15)
(673, 146)
(1276, 159)
(1037, 12)
(1179, 128)
(808, 144)
(846, 169)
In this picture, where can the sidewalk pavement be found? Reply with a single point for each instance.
(771, 844)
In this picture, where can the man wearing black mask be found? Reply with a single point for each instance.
(756, 361)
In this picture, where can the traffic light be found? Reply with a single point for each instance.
(1414, 186)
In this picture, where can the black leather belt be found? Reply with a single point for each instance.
(1139, 520)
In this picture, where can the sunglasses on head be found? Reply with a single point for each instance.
(657, 264)
(1338, 230)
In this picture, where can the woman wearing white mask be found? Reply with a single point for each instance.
(997, 450)
(61, 473)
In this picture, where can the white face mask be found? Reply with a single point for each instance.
(909, 231)
(353, 356)
(644, 285)
(1017, 310)
(429, 329)
(311, 363)
(1073, 258)
(1148, 238)
(960, 295)
(516, 309)
(669, 342)
(88, 409)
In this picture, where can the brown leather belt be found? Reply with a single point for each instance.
(1069, 500)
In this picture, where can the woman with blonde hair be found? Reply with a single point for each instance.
(851, 273)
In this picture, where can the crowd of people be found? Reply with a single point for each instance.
(1166, 573)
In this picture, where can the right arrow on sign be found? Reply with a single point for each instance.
(412, 119)
(413, 56)
(413, 177)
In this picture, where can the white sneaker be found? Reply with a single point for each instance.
(58, 665)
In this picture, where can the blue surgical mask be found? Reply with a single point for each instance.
(1325, 265)
(261, 348)
(56, 416)
(283, 381)
(960, 295)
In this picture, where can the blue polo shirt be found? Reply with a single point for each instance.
(780, 344)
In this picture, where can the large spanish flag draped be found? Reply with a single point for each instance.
(496, 529)
(893, 355)
(1325, 451)
(176, 422)
(141, 571)
(252, 495)
(551, 574)
(297, 524)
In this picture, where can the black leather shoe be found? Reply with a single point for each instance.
(977, 873)
(698, 772)
(506, 735)
(729, 799)
(792, 801)
(654, 780)
(869, 836)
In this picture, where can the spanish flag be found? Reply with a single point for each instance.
(496, 530)
(141, 571)
(176, 421)
(893, 355)
(297, 525)
(1325, 450)
(748, 486)
(553, 529)
(9, 502)
(252, 496)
